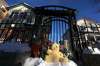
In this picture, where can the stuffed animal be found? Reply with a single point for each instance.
(54, 55)
(48, 57)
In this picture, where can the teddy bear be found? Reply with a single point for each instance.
(54, 55)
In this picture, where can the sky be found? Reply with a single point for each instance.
(85, 8)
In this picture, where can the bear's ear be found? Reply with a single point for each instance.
(56, 44)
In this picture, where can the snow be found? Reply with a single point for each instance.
(40, 62)
(91, 50)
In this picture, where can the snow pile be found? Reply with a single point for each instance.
(40, 62)
(33, 61)
(91, 50)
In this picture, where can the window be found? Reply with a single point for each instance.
(82, 28)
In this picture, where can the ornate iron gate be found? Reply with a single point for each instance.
(58, 24)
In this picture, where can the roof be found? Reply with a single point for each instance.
(24, 4)
(84, 22)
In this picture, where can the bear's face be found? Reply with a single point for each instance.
(55, 47)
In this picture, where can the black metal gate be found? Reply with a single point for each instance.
(58, 23)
